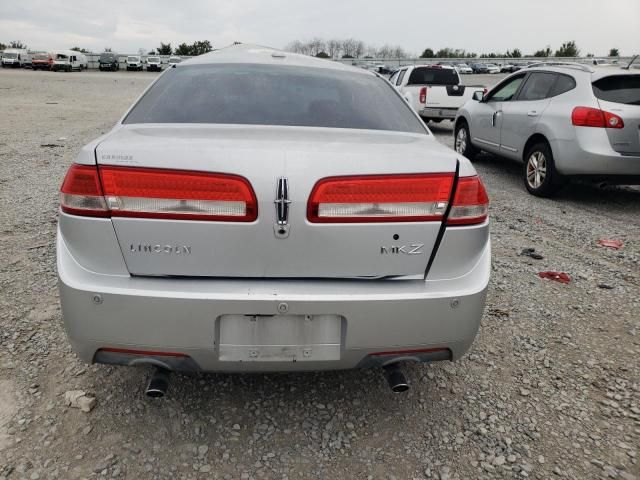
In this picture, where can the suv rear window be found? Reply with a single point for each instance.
(249, 94)
(618, 89)
(433, 76)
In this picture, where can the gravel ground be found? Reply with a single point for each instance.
(550, 389)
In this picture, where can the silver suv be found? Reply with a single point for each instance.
(563, 120)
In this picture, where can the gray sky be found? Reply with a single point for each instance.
(490, 25)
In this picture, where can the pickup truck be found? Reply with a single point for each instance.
(434, 91)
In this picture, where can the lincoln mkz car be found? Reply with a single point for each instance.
(259, 211)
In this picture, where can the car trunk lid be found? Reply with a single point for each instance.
(620, 95)
(264, 156)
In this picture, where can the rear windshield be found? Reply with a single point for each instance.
(250, 94)
(433, 76)
(618, 89)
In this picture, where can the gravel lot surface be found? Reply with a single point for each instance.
(550, 389)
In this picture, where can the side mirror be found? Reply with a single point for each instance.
(478, 96)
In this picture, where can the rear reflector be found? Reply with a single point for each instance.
(594, 117)
(81, 193)
(423, 95)
(470, 203)
(170, 194)
(380, 198)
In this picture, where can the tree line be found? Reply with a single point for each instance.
(344, 48)
(351, 48)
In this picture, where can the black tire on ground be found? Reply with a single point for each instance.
(462, 141)
(539, 171)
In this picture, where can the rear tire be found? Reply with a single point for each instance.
(540, 176)
(462, 141)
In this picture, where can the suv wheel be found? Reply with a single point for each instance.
(462, 141)
(540, 176)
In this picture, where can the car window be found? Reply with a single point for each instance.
(618, 89)
(393, 78)
(506, 92)
(433, 76)
(256, 94)
(564, 83)
(538, 86)
(401, 76)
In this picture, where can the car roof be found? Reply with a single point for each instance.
(258, 54)
(594, 73)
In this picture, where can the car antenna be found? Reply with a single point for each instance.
(629, 65)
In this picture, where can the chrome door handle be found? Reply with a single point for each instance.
(532, 113)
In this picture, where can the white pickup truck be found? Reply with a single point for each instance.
(434, 91)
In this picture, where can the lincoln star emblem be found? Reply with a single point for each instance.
(281, 228)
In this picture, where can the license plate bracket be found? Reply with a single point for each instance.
(279, 338)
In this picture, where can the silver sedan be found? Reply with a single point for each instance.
(257, 210)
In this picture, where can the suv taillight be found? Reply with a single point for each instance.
(380, 198)
(423, 95)
(594, 117)
(157, 193)
(470, 202)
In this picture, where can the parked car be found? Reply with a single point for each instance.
(599, 62)
(479, 68)
(510, 67)
(434, 91)
(173, 61)
(134, 62)
(16, 58)
(172, 253)
(42, 61)
(560, 121)
(108, 61)
(492, 68)
(463, 68)
(68, 60)
(154, 64)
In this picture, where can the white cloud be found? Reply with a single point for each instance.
(496, 25)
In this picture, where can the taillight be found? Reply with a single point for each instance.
(423, 95)
(594, 117)
(170, 194)
(380, 198)
(470, 202)
(81, 193)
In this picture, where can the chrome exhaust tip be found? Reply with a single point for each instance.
(158, 383)
(395, 378)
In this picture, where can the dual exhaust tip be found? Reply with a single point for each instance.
(159, 381)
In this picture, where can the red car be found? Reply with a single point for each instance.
(42, 61)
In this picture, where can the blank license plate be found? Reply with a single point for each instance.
(279, 338)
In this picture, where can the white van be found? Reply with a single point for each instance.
(134, 62)
(16, 57)
(68, 60)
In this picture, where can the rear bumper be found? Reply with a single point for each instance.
(444, 113)
(590, 153)
(178, 315)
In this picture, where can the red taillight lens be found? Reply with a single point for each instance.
(380, 198)
(470, 203)
(423, 95)
(594, 117)
(177, 194)
(81, 193)
(156, 193)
